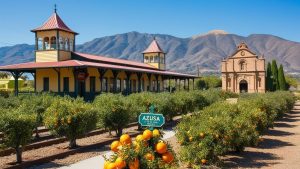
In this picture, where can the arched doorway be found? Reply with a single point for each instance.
(243, 86)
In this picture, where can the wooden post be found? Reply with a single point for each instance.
(115, 73)
(127, 83)
(169, 85)
(139, 75)
(16, 74)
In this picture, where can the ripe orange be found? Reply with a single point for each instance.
(125, 139)
(167, 157)
(203, 161)
(139, 137)
(147, 134)
(191, 138)
(134, 164)
(120, 163)
(112, 166)
(156, 133)
(161, 148)
(114, 146)
(149, 156)
(202, 135)
(106, 163)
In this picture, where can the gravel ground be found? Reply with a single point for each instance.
(62, 147)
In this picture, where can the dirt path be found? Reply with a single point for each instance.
(279, 150)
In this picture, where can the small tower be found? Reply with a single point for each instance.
(54, 40)
(155, 56)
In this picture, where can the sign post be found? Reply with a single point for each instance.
(151, 119)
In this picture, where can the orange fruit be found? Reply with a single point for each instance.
(149, 156)
(134, 164)
(139, 137)
(106, 163)
(112, 166)
(191, 138)
(161, 147)
(217, 136)
(167, 157)
(120, 163)
(203, 161)
(202, 135)
(156, 133)
(147, 134)
(125, 139)
(114, 146)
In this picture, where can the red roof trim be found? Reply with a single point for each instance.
(76, 63)
(114, 60)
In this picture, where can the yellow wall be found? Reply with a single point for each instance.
(64, 55)
(93, 72)
(67, 72)
(40, 74)
(46, 56)
(152, 61)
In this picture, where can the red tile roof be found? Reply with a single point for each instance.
(76, 63)
(114, 60)
(153, 48)
(54, 22)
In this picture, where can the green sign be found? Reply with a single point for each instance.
(151, 119)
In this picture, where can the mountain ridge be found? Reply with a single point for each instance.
(183, 54)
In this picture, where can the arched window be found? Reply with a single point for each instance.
(67, 45)
(53, 42)
(162, 60)
(151, 59)
(146, 59)
(71, 45)
(40, 44)
(46, 45)
(61, 43)
(156, 59)
(242, 65)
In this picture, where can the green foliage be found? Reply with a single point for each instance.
(11, 84)
(269, 81)
(17, 127)
(275, 75)
(114, 111)
(71, 118)
(208, 82)
(223, 127)
(291, 82)
(281, 79)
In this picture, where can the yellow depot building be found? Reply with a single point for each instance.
(60, 69)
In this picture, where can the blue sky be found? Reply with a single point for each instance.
(182, 18)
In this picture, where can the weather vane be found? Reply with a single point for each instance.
(55, 8)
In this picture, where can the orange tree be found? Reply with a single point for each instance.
(71, 118)
(223, 127)
(147, 151)
(17, 127)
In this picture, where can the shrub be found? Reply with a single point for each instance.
(223, 127)
(114, 111)
(71, 118)
(147, 151)
(17, 127)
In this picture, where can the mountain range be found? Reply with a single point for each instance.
(204, 51)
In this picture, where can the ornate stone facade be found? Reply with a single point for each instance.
(243, 71)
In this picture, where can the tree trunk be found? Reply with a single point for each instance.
(72, 143)
(37, 133)
(19, 154)
(120, 131)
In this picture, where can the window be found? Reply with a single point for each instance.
(124, 85)
(53, 42)
(71, 44)
(61, 43)
(118, 85)
(143, 84)
(92, 84)
(153, 85)
(111, 84)
(40, 44)
(104, 84)
(156, 59)
(162, 60)
(134, 85)
(146, 59)
(151, 59)
(46, 45)
(242, 65)
(67, 45)
(46, 84)
(66, 84)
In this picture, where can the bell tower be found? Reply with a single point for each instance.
(54, 40)
(155, 56)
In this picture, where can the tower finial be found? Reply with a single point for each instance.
(154, 38)
(55, 8)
